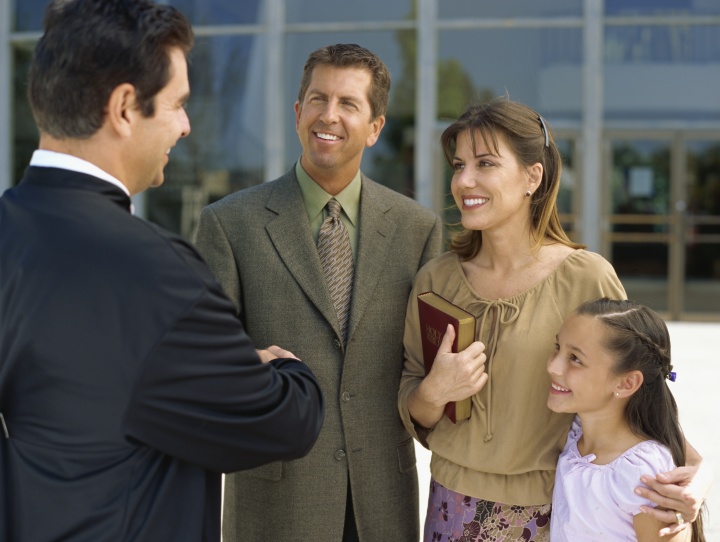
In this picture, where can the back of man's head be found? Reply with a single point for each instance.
(89, 47)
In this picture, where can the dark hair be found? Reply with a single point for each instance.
(89, 47)
(529, 139)
(638, 339)
(349, 55)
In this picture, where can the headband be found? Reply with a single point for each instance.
(545, 131)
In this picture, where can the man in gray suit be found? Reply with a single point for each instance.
(359, 482)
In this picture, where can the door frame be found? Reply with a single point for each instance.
(677, 218)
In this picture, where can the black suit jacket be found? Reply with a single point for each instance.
(127, 383)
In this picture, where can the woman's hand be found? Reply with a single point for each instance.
(453, 377)
(682, 490)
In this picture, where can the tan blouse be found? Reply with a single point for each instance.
(508, 449)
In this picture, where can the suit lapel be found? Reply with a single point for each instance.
(376, 233)
(290, 233)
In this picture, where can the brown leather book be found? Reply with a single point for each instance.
(435, 315)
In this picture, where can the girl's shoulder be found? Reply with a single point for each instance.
(648, 454)
(646, 458)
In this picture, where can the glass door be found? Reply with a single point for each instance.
(701, 229)
(568, 194)
(639, 218)
(663, 220)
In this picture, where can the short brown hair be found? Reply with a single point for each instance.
(349, 55)
(530, 141)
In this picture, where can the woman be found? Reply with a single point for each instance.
(514, 268)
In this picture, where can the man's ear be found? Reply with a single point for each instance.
(122, 107)
(298, 110)
(376, 127)
(629, 383)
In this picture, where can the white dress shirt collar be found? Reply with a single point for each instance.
(44, 158)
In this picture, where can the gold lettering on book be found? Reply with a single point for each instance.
(433, 335)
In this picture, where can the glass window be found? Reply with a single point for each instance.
(567, 194)
(214, 12)
(225, 149)
(24, 133)
(662, 72)
(702, 227)
(661, 7)
(641, 180)
(323, 11)
(390, 161)
(639, 217)
(541, 68)
(519, 8)
(29, 14)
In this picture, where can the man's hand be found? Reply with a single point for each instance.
(274, 352)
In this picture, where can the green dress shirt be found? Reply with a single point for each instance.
(316, 199)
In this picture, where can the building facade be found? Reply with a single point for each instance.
(631, 89)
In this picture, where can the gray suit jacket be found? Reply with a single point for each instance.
(259, 244)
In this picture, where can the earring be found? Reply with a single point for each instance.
(617, 394)
(528, 193)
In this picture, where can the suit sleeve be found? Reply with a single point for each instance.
(433, 246)
(205, 397)
(212, 243)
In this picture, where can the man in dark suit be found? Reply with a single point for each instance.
(359, 481)
(127, 382)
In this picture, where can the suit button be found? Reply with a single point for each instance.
(340, 455)
(337, 344)
(346, 397)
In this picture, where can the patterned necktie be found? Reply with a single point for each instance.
(337, 262)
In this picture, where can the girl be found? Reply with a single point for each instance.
(610, 366)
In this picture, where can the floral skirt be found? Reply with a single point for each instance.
(453, 517)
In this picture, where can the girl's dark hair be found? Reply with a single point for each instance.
(639, 341)
(527, 135)
(88, 48)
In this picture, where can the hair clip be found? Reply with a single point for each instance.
(545, 131)
(671, 376)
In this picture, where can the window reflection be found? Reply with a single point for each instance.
(568, 185)
(661, 7)
(702, 223)
(29, 14)
(322, 11)
(225, 150)
(639, 207)
(662, 44)
(641, 179)
(541, 68)
(517, 8)
(24, 133)
(657, 62)
(215, 12)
